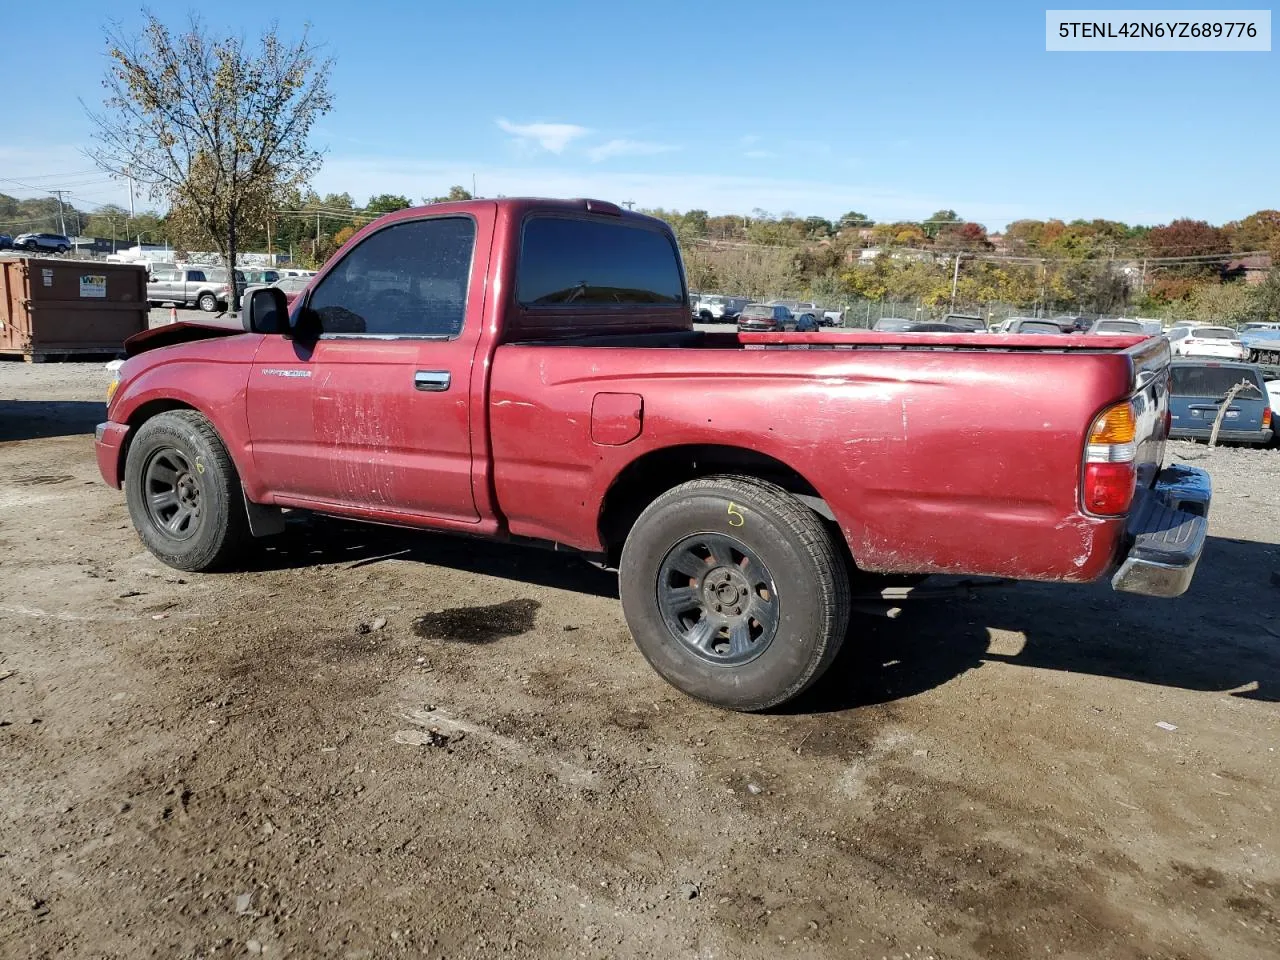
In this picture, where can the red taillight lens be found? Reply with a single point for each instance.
(1266, 418)
(1109, 471)
(1108, 488)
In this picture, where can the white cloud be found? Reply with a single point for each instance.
(628, 148)
(759, 154)
(552, 137)
(749, 139)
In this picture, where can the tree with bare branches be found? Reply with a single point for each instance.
(216, 127)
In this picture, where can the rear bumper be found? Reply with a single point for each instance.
(1238, 436)
(108, 441)
(1165, 534)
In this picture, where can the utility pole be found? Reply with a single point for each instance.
(1142, 283)
(317, 236)
(955, 281)
(132, 214)
(473, 186)
(628, 204)
(62, 221)
(270, 258)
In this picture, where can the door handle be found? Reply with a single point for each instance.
(432, 381)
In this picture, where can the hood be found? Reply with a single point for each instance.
(183, 331)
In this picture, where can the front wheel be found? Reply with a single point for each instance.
(207, 302)
(184, 493)
(734, 591)
(61, 248)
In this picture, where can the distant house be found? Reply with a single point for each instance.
(1253, 269)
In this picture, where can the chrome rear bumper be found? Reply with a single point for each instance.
(1166, 533)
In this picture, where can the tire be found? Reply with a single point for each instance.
(207, 302)
(61, 248)
(801, 614)
(180, 453)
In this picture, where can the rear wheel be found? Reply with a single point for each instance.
(62, 248)
(207, 302)
(184, 493)
(734, 591)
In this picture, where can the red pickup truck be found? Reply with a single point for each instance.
(528, 370)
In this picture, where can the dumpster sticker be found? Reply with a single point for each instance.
(93, 286)
(47, 274)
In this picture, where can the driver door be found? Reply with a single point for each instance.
(373, 413)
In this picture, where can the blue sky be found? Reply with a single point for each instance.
(894, 109)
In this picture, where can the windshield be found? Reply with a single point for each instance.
(1213, 333)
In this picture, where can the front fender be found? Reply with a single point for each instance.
(215, 389)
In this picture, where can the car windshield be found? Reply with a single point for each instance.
(1195, 381)
(1038, 326)
(1213, 333)
(1118, 326)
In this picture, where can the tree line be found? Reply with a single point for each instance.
(1186, 269)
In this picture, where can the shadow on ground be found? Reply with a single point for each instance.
(1216, 638)
(35, 419)
(311, 541)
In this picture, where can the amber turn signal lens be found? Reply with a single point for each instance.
(1117, 424)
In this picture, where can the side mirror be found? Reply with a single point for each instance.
(265, 310)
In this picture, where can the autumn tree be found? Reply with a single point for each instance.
(386, 203)
(456, 192)
(215, 126)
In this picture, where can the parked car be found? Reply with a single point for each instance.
(1197, 393)
(832, 318)
(6, 241)
(765, 318)
(807, 323)
(719, 309)
(1205, 341)
(967, 322)
(1024, 325)
(205, 287)
(797, 307)
(292, 286)
(260, 277)
(1259, 325)
(931, 326)
(1073, 324)
(893, 325)
(48, 242)
(397, 390)
(1263, 346)
(1115, 326)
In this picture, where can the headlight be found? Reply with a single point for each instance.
(114, 368)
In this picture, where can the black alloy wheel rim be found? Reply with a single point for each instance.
(171, 487)
(718, 599)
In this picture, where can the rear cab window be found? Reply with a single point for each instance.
(567, 261)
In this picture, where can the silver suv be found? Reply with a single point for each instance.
(54, 242)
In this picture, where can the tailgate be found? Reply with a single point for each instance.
(1150, 361)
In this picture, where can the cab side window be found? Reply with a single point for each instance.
(407, 280)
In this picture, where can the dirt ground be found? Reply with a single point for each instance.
(380, 745)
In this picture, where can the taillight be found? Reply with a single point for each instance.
(1109, 468)
(1266, 418)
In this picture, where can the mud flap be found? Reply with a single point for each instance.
(264, 521)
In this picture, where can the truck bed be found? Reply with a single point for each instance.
(954, 453)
